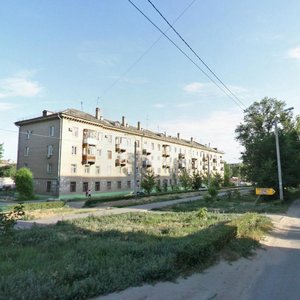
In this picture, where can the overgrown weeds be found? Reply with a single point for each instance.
(94, 256)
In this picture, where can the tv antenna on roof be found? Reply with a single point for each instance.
(81, 105)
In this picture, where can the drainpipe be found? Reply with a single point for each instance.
(59, 155)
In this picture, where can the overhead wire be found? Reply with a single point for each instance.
(194, 52)
(186, 55)
(145, 52)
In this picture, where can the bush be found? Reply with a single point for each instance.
(9, 219)
(24, 184)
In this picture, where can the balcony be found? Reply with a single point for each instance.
(88, 159)
(166, 153)
(146, 152)
(181, 165)
(194, 166)
(90, 141)
(120, 148)
(89, 137)
(181, 156)
(147, 164)
(120, 162)
(165, 166)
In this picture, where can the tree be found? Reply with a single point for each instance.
(227, 174)
(196, 181)
(24, 183)
(1, 151)
(257, 137)
(149, 181)
(8, 171)
(185, 180)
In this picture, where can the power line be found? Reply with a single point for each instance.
(179, 35)
(145, 52)
(186, 55)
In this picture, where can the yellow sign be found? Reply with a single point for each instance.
(265, 191)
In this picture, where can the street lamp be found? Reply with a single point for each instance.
(278, 156)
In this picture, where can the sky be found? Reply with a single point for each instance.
(82, 54)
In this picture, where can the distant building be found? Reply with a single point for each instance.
(70, 152)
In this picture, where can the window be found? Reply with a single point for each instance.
(129, 184)
(26, 151)
(87, 169)
(109, 154)
(51, 131)
(97, 186)
(91, 150)
(119, 184)
(99, 152)
(100, 136)
(85, 186)
(75, 131)
(158, 170)
(73, 186)
(49, 168)
(158, 147)
(108, 185)
(49, 151)
(97, 169)
(152, 146)
(73, 168)
(48, 187)
(74, 150)
(109, 168)
(108, 138)
(28, 134)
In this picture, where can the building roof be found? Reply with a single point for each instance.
(78, 115)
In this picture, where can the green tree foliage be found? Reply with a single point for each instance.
(217, 180)
(196, 181)
(185, 180)
(24, 183)
(1, 151)
(8, 171)
(257, 136)
(149, 181)
(227, 174)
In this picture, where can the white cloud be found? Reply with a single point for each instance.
(19, 86)
(158, 105)
(194, 87)
(294, 53)
(217, 130)
(6, 106)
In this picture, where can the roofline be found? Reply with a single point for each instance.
(120, 128)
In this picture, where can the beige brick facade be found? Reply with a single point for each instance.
(72, 151)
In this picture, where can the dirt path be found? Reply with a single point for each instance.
(273, 274)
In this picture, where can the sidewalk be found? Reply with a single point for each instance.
(103, 211)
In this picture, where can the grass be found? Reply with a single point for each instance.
(87, 257)
(232, 204)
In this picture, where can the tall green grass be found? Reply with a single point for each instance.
(94, 256)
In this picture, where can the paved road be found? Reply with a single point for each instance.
(273, 274)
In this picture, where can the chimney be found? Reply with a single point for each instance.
(178, 136)
(139, 125)
(123, 121)
(44, 113)
(192, 139)
(97, 115)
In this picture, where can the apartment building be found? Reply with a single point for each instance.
(71, 152)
